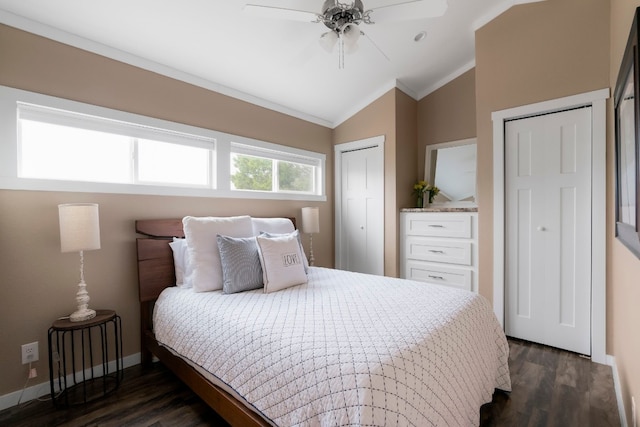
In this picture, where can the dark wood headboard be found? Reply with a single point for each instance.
(155, 259)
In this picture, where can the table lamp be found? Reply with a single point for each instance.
(310, 225)
(79, 232)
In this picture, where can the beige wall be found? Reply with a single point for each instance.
(406, 153)
(623, 268)
(394, 116)
(447, 114)
(38, 282)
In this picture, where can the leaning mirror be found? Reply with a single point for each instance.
(451, 166)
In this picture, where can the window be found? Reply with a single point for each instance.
(63, 145)
(53, 144)
(261, 169)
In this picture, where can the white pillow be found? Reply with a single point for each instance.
(272, 225)
(281, 262)
(202, 247)
(181, 262)
(295, 233)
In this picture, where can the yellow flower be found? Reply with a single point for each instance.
(421, 187)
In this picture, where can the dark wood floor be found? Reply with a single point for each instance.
(550, 388)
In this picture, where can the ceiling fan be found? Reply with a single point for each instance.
(343, 19)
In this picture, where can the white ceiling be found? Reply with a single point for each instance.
(274, 63)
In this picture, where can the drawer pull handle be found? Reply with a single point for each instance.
(433, 251)
(436, 277)
(436, 225)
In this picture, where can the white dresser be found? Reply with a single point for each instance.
(440, 247)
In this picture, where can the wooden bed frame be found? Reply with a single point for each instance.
(156, 272)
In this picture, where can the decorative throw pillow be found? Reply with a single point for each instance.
(241, 269)
(181, 261)
(202, 247)
(281, 262)
(295, 233)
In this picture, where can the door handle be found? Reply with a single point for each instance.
(436, 225)
(436, 277)
(435, 251)
(541, 228)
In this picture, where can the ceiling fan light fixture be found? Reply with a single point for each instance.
(336, 15)
(343, 19)
(328, 41)
(350, 35)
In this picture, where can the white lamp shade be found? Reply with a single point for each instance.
(328, 41)
(310, 220)
(351, 35)
(79, 227)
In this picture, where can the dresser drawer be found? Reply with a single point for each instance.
(450, 276)
(438, 225)
(438, 250)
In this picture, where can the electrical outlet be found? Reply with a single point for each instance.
(634, 415)
(30, 353)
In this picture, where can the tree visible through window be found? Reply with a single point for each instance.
(295, 177)
(252, 173)
(257, 173)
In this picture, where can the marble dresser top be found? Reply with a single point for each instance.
(440, 208)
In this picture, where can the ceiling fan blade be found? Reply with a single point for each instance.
(273, 12)
(409, 10)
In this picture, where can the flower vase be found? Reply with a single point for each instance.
(420, 202)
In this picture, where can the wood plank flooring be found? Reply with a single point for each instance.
(550, 388)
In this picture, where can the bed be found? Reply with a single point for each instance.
(342, 349)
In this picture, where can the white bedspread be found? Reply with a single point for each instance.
(345, 349)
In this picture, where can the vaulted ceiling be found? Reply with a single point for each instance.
(270, 61)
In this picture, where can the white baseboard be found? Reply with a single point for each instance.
(42, 389)
(611, 361)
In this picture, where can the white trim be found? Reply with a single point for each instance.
(611, 361)
(365, 101)
(375, 141)
(499, 9)
(447, 79)
(597, 100)
(44, 389)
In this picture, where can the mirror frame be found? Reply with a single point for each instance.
(429, 175)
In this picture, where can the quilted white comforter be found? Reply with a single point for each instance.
(345, 349)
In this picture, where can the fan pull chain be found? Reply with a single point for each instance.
(340, 51)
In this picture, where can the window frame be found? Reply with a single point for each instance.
(220, 158)
(276, 155)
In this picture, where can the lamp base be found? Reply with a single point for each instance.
(82, 315)
(82, 298)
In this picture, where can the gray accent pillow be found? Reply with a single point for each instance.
(241, 269)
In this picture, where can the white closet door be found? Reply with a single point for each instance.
(362, 240)
(548, 229)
